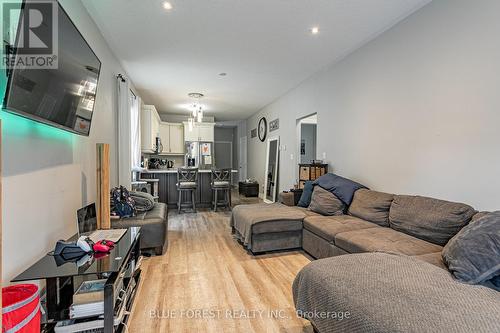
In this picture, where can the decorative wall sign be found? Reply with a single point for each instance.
(274, 125)
(302, 147)
(253, 133)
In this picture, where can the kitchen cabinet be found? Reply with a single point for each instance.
(206, 132)
(203, 132)
(177, 138)
(150, 127)
(172, 138)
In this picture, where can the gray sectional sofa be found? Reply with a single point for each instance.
(154, 228)
(390, 258)
(410, 225)
(375, 221)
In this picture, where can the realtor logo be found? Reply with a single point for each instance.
(31, 33)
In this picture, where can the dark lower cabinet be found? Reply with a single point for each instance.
(168, 193)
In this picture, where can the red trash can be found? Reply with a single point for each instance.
(21, 309)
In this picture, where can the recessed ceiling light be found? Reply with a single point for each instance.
(222, 74)
(167, 5)
(315, 30)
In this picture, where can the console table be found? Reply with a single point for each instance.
(121, 268)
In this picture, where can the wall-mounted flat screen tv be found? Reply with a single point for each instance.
(62, 97)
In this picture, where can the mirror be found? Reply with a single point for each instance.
(272, 164)
(308, 130)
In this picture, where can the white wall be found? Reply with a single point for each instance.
(49, 174)
(415, 111)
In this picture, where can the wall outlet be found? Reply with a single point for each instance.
(324, 155)
(291, 157)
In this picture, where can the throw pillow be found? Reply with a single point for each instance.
(432, 220)
(305, 198)
(473, 255)
(372, 206)
(325, 203)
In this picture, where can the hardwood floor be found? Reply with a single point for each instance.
(207, 282)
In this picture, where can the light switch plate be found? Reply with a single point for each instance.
(324, 155)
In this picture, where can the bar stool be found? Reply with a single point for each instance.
(187, 181)
(221, 181)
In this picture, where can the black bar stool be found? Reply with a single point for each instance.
(187, 181)
(221, 181)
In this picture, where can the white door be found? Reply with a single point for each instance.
(176, 138)
(243, 158)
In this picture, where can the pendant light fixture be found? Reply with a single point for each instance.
(197, 110)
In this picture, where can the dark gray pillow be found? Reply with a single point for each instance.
(371, 206)
(473, 255)
(325, 203)
(305, 198)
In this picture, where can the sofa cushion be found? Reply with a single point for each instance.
(478, 215)
(391, 293)
(429, 219)
(305, 198)
(383, 240)
(307, 212)
(327, 227)
(325, 203)
(473, 255)
(433, 258)
(372, 206)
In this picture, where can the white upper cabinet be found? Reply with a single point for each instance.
(190, 134)
(172, 138)
(176, 138)
(203, 132)
(206, 132)
(150, 127)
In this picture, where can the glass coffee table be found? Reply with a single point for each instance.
(120, 268)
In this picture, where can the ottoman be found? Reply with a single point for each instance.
(267, 227)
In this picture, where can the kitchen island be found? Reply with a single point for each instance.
(167, 188)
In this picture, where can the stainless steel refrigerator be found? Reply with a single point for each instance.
(202, 153)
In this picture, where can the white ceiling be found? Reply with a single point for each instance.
(264, 46)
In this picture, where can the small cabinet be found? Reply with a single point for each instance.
(150, 127)
(172, 138)
(203, 132)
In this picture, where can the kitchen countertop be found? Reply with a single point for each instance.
(175, 171)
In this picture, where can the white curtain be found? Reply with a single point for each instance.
(135, 123)
(124, 134)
